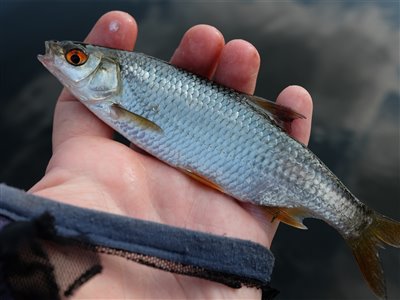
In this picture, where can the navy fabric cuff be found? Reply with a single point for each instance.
(231, 261)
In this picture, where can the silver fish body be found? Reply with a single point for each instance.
(203, 128)
(223, 136)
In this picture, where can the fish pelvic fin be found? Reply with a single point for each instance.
(382, 231)
(202, 179)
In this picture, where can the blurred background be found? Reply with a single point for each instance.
(346, 53)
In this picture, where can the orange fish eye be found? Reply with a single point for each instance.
(76, 57)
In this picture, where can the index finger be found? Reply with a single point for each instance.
(298, 99)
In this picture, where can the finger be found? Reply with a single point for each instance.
(117, 30)
(199, 50)
(238, 66)
(299, 100)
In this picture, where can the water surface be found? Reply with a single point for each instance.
(345, 53)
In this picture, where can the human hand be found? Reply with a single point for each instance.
(89, 169)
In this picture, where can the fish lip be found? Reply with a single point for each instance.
(49, 57)
(51, 48)
(44, 59)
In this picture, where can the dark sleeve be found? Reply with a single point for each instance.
(29, 223)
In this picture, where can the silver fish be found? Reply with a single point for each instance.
(231, 141)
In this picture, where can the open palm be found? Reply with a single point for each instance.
(89, 169)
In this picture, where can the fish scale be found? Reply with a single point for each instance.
(235, 142)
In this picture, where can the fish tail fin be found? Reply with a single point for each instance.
(382, 231)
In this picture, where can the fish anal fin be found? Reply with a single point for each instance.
(281, 115)
(290, 216)
(202, 179)
(122, 112)
(365, 246)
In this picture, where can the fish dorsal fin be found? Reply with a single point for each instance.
(281, 115)
(202, 179)
(122, 112)
(290, 216)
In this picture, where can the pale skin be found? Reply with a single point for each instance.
(89, 169)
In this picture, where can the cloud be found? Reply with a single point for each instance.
(346, 56)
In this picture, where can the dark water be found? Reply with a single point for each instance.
(345, 53)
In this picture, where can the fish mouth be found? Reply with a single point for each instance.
(52, 48)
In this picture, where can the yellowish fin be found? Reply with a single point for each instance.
(121, 112)
(202, 179)
(290, 216)
(382, 231)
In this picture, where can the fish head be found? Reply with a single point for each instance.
(89, 72)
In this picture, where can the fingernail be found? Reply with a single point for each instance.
(114, 26)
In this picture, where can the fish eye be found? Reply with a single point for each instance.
(76, 57)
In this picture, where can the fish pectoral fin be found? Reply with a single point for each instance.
(202, 179)
(122, 112)
(290, 216)
(281, 115)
